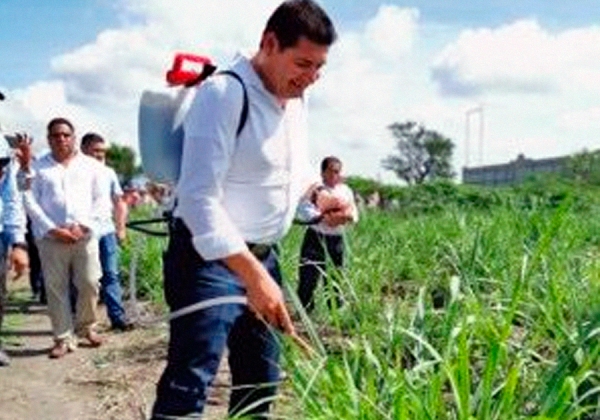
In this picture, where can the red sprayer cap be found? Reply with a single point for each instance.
(189, 69)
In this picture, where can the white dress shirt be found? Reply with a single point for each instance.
(61, 195)
(234, 189)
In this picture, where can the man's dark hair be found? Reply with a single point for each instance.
(57, 121)
(296, 18)
(91, 138)
(328, 161)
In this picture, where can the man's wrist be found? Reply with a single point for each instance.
(315, 193)
(20, 245)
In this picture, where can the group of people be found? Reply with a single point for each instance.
(237, 196)
(77, 218)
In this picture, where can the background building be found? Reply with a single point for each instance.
(513, 172)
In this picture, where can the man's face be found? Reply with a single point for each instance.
(61, 140)
(290, 71)
(96, 150)
(333, 174)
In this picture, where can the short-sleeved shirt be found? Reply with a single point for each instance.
(110, 188)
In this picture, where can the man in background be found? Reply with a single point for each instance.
(13, 249)
(325, 239)
(61, 194)
(111, 231)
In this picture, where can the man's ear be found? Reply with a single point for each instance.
(269, 43)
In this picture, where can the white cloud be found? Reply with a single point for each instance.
(377, 74)
(113, 69)
(521, 57)
(391, 33)
(99, 84)
(31, 108)
(581, 120)
(362, 90)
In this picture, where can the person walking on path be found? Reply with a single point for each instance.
(111, 232)
(13, 249)
(62, 196)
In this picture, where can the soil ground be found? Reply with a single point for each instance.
(115, 381)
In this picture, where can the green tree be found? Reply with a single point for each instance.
(585, 167)
(122, 160)
(422, 154)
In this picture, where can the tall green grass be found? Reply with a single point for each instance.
(460, 315)
(481, 312)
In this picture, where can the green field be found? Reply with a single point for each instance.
(460, 304)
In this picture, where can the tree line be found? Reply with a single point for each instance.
(420, 155)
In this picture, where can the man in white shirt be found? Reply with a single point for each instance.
(236, 197)
(111, 231)
(62, 198)
(325, 238)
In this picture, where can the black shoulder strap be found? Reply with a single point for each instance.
(245, 107)
(207, 70)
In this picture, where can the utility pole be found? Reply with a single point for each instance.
(473, 111)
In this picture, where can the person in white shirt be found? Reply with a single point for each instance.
(111, 231)
(241, 181)
(62, 197)
(13, 249)
(325, 237)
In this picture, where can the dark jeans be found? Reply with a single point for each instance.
(198, 340)
(313, 257)
(36, 279)
(3, 275)
(111, 292)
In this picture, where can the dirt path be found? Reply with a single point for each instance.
(115, 381)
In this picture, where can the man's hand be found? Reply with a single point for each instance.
(18, 261)
(23, 151)
(266, 301)
(78, 231)
(265, 297)
(336, 217)
(335, 210)
(63, 234)
(121, 234)
(326, 202)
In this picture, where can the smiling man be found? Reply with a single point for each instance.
(244, 168)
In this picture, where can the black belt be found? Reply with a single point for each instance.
(260, 251)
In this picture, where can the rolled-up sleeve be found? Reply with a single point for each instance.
(209, 143)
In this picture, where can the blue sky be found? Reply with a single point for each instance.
(533, 65)
(34, 31)
(556, 13)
